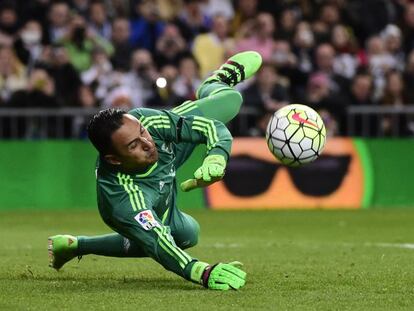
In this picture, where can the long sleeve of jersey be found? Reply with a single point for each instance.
(193, 129)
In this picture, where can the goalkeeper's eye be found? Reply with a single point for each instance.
(133, 145)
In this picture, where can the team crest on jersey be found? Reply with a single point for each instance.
(146, 220)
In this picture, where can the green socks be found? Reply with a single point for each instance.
(113, 245)
(219, 101)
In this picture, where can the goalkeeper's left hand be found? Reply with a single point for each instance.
(212, 170)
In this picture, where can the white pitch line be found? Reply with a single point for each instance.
(396, 245)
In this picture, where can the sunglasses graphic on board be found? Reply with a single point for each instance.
(254, 179)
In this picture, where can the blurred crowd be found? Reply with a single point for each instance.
(155, 53)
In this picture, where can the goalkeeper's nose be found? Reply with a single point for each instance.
(146, 144)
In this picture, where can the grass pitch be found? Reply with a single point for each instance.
(296, 260)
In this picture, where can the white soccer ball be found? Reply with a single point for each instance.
(296, 135)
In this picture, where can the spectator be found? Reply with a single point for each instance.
(210, 48)
(120, 97)
(394, 95)
(80, 42)
(28, 45)
(362, 90)
(141, 79)
(170, 46)
(260, 38)
(37, 10)
(169, 10)
(98, 20)
(86, 97)
(80, 123)
(39, 92)
(81, 7)
(245, 10)
(345, 62)
(380, 62)
(147, 28)
(67, 79)
(122, 47)
(188, 79)
(303, 44)
(12, 73)
(282, 55)
(391, 36)
(324, 60)
(9, 23)
(99, 75)
(166, 94)
(288, 22)
(119, 8)
(264, 96)
(361, 94)
(218, 7)
(408, 28)
(286, 63)
(192, 20)
(58, 21)
(329, 17)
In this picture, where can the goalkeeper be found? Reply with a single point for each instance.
(139, 153)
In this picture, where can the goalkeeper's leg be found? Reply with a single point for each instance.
(217, 99)
(184, 229)
(63, 248)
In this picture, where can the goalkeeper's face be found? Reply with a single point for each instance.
(134, 148)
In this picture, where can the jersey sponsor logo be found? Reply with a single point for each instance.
(146, 220)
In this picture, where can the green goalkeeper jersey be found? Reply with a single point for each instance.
(142, 206)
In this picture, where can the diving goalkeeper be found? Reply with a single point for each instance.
(139, 153)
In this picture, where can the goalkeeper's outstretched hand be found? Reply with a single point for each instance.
(212, 170)
(221, 276)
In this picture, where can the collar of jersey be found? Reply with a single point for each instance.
(149, 171)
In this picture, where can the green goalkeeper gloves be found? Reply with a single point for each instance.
(221, 276)
(212, 169)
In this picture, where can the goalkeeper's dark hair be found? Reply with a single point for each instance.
(101, 127)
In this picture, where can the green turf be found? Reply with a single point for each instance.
(296, 260)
